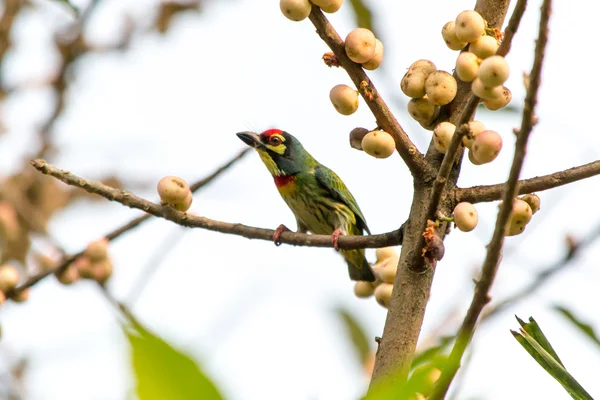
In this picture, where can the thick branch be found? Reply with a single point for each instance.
(480, 194)
(385, 119)
(492, 259)
(130, 200)
(125, 228)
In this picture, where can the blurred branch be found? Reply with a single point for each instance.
(479, 194)
(122, 229)
(490, 264)
(575, 247)
(385, 119)
(192, 221)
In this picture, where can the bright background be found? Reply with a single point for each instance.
(260, 318)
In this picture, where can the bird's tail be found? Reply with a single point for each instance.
(358, 266)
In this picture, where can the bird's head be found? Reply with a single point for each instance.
(281, 152)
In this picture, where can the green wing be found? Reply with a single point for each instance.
(329, 180)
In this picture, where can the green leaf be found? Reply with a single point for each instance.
(528, 338)
(163, 372)
(362, 14)
(70, 5)
(356, 334)
(582, 326)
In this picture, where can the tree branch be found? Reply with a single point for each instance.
(414, 160)
(480, 194)
(492, 259)
(123, 229)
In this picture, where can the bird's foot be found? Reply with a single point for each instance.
(280, 229)
(334, 238)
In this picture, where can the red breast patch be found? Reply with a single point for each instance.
(283, 180)
(270, 132)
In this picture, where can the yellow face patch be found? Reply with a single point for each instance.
(276, 143)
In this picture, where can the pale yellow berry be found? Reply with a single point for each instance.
(486, 92)
(328, 6)
(186, 204)
(360, 45)
(440, 87)
(474, 128)
(413, 83)
(356, 137)
(102, 270)
(450, 38)
(521, 213)
(97, 250)
(388, 269)
(484, 47)
(172, 190)
(83, 265)
(422, 109)
(486, 146)
(514, 229)
(9, 277)
(500, 102)
(465, 216)
(467, 65)
(295, 10)
(493, 71)
(344, 99)
(70, 275)
(469, 26)
(363, 289)
(383, 294)
(378, 144)
(425, 65)
(384, 253)
(442, 135)
(377, 58)
(533, 200)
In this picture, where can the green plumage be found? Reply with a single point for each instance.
(319, 199)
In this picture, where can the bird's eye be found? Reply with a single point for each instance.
(274, 140)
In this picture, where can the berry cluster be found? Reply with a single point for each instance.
(298, 10)
(94, 264)
(385, 271)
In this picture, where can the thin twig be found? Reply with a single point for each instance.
(414, 160)
(123, 229)
(192, 221)
(512, 27)
(490, 264)
(480, 194)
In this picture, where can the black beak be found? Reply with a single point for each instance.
(250, 138)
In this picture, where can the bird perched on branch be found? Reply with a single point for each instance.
(318, 198)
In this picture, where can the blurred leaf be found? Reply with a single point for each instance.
(163, 372)
(434, 353)
(356, 334)
(583, 327)
(362, 14)
(527, 338)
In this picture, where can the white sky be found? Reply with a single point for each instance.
(259, 317)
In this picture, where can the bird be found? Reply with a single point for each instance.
(319, 199)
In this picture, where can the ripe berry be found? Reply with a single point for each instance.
(425, 65)
(494, 71)
(450, 38)
(442, 135)
(360, 45)
(533, 200)
(344, 99)
(413, 83)
(9, 277)
(500, 102)
(363, 289)
(69, 275)
(465, 216)
(486, 92)
(467, 65)
(388, 269)
(102, 270)
(356, 137)
(328, 6)
(472, 159)
(486, 146)
(521, 213)
(384, 253)
(378, 144)
(474, 128)
(484, 47)
(383, 294)
(440, 87)
(377, 58)
(97, 250)
(295, 10)
(186, 204)
(172, 190)
(469, 26)
(422, 109)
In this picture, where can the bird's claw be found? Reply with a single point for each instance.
(280, 229)
(334, 238)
